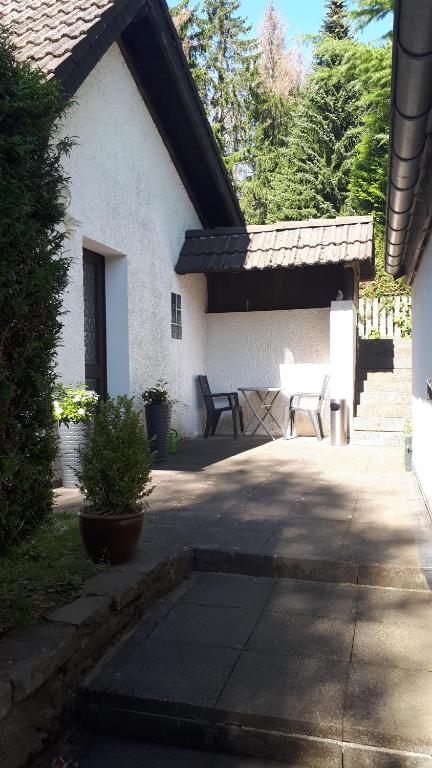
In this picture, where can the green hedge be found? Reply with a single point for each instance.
(33, 275)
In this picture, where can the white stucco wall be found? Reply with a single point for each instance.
(343, 352)
(246, 348)
(422, 370)
(129, 202)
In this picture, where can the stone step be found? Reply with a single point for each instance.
(378, 424)
(385, 344)
(381, 396)
(383, 439)
(402, 374)
(384, 363)
(386, 353)
(384, 409)
(108, 752)
(375, 381)
(274, 670)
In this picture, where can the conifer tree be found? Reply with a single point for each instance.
(222, 57)
(230, 65)
(372, 10)
(281, 75)
(189, 29)
(281, 69)
(313, 173)
(335, 22)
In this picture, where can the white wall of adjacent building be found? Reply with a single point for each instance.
(129, 204)
(245, 349)
(421, 371)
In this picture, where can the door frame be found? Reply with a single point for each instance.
(99, 370)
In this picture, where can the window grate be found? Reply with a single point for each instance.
(176, 316)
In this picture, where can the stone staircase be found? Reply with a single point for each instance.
(265, 672)
(383, 392)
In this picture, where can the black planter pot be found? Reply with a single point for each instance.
(158, 421)
(70, 439)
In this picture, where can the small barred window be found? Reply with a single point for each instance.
(176, 316)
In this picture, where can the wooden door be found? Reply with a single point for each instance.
(94, 321)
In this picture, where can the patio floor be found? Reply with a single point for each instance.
(300, 500)
(327, 663)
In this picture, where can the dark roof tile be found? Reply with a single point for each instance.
(285, 244)
(47, 30)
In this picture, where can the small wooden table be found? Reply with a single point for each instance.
(267, 397)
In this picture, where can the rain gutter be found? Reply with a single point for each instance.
(411, 102)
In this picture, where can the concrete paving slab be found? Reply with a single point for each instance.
(303, 636)
(316, 599)
(394, 576)
(170, 671)
(368, 543)
(120, 753)
(297, 635)
(388, 517)
(389, 708)
(305, 695)
(319, 539)
(230, 590)
(363, 757)
(394, 605)
(228, 537)
(395, 645)
(234, 761)
(208, 625)
(315, 509)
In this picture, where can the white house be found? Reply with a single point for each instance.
(166, 281)
(409, 206)
(145, 169)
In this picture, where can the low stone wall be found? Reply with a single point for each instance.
(41, 665)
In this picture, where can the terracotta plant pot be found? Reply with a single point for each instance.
(112, 538)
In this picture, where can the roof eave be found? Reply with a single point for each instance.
(187, 134)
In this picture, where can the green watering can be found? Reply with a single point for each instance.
(172, 441)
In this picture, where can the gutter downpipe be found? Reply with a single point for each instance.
(411, 99)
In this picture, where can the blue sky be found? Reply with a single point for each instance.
(304, 17)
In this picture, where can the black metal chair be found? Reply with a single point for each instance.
(214, 412)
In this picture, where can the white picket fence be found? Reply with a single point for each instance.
(388, 317)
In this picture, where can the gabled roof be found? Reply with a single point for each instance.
(66, 38)
(343, 240)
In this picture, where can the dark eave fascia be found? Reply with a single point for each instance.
(411, 101)
(151, 47)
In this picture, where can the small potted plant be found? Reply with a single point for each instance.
(114, 478)
(73, 407)
(158, 408)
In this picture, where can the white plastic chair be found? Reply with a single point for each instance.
(305, 386)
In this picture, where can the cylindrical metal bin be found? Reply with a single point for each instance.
(339, 422)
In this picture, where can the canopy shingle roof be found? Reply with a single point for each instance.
(286, 244)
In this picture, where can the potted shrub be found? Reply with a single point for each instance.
(73, 407)
(114, 477)
(158, 408)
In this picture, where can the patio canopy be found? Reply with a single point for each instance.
(316, 242)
